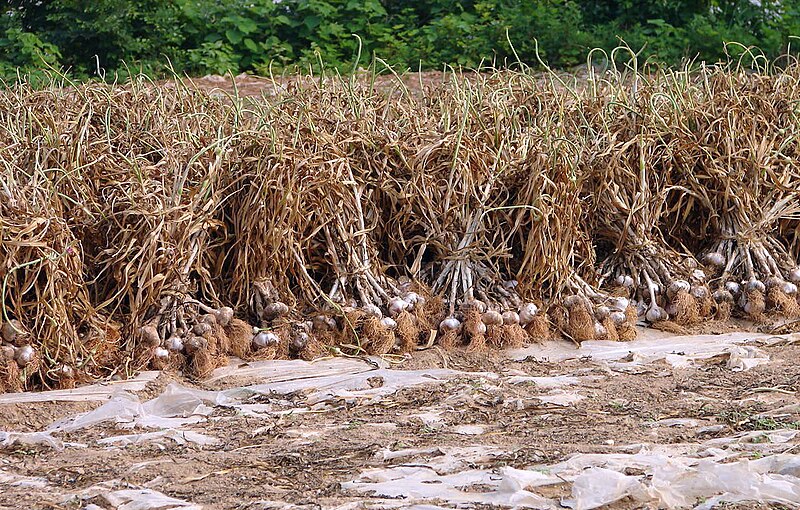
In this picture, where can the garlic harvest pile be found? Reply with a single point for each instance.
(172, 228)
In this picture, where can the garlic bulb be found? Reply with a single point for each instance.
(397, 305)
(755, 285)
(224, 315)
(732, 287)
(618, 318)
(412, 298)
(450, 324)
(174, 343)
(24, 355)
(264, 339)
(389, 323)
(324, 323)
(372, 311)
(11, 330)
(161, 353)
(299, 342)
(149, 335)
(527, 312)
(473, 304)
(794, 275)
(274, 310)
(510, 318)
(655, 314)
(752, 308)
(619, 304)
(7, 352)
(601, 313)
(699, 292)
(714, 258)
(201, 329)
(572, 301)
(723, 296)
(789, 288)
(600, 331)
(678, 286)
(492, 318)
(194, 344)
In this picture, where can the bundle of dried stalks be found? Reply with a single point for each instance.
(628, 166)
(334, 216)
(53, 333)
(304, 217)
(739, 180)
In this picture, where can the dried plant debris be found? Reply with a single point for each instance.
(153, 225)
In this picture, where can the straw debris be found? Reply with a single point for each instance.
(152, 225)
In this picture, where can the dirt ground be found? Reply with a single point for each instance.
(280, 447)
(245, 85)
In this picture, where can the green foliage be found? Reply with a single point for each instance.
(236, 35)
(216, 36)
(99, 35)
(23, 51)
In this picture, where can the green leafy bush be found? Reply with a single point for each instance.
(216, 36)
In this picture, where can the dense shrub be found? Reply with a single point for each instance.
(214, 36)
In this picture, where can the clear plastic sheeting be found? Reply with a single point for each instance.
(448, 475)
(181, 437)
(678, 351)
(561, 397)
(548, 383)
(14, 480)
(597, 486)
(362, 386)
(114, 493)
(175, 407)
(92, 393)
(679, 482)
(678, 476)
(180, 406)
(458, 470)
(420, 483)
(22, 439)
(146, 499)
(273, 371)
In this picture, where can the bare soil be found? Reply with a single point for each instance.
(302, 459)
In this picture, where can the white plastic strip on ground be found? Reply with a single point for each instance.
(181, 437)
(14, 480)
(270, 371)
(146, 499)
(363, 386)
(668, 476)
(654, 345)
(90, 393)
(341, 379)
(128, 498)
